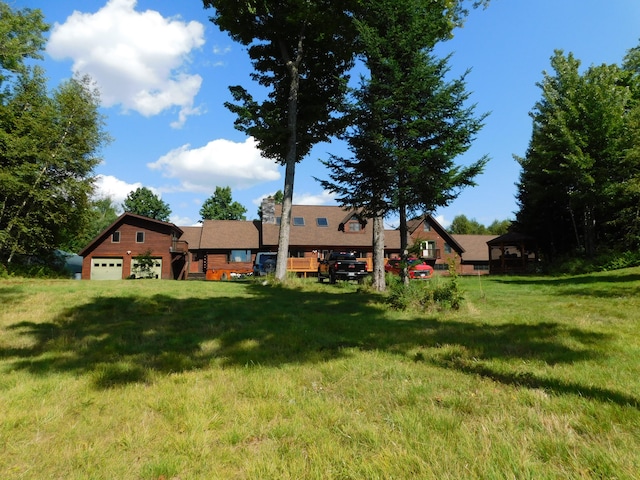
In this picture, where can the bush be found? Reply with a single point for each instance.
(426, 295)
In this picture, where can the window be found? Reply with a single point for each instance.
(278, 219)
(354, 226)
(298, 221)
(441, 266)
(426, 227)
(322, 222)
(240, 256)
(481, 267)
(115, 237)
(447, 248)
(139, 237)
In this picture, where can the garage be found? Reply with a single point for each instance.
(106, 269)
(147, 270)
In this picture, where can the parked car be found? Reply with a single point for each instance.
(264, 264)
(417, 269)
(342, 266)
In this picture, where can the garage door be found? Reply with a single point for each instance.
(154, 271)
(106, 269)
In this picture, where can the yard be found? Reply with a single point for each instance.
(535, 377)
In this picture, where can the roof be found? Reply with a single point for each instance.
(512, 238)
(475, 247)
(313, 234)
(229, 234)
(192, 236)
(130, 218)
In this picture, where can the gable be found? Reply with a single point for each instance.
(141, 223)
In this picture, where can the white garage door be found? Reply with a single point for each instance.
(106, 269)
(155, 270)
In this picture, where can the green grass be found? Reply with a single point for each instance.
(534, 377)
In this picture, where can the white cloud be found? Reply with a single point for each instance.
(443, 221)
(183, 221)
(137, 58)
(219, 163)
(116, 189)
(324, 198)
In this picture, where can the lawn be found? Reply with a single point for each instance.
(534, 377)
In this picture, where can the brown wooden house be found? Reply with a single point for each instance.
(232, 245)
(112, 255)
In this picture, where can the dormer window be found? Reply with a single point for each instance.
(322, 222)
(298, 221)
(354, 226)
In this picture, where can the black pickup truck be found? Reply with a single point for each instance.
(341, 266)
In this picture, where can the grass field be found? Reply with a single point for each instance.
(533, 378)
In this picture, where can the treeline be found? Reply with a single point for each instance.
(579, 188)
(461, 225)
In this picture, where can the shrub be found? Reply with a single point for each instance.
(427, 295)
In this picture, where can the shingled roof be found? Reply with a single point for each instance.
(475, 247)
(230, 234)
(312, 233)
(192, 235)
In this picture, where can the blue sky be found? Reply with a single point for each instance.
(163, 70)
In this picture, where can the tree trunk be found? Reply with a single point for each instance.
(290, 164)
(379, 282)
(404, 273)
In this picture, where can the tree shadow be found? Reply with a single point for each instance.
(122, 340)
(610, 285)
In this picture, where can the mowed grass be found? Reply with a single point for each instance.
(535, 377)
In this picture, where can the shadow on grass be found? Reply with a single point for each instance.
(126, 340)
(605, 285)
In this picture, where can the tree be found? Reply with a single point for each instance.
(410, 123)
(220, 206)
(49, 143)
(569, 189)
(499, 227)
(301, 52)
(102, 213)
(461, 225)
(21, 37)
(143, 201)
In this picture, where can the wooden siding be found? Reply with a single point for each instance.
(157, 242)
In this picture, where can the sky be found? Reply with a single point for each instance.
(163, 70)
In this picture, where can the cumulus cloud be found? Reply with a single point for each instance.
(324, 198)
(116, 189)
(138, 59)
(443, 221)
(219, 163)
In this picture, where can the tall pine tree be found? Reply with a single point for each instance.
(410, 123)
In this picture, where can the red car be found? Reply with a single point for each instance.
(416, 268)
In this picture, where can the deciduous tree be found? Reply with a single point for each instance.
(220, 206)
(49, 144)
(143, 201)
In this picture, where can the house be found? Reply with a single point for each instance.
(231, 245)
(475, 258)
(113, 254)
(435, 244)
